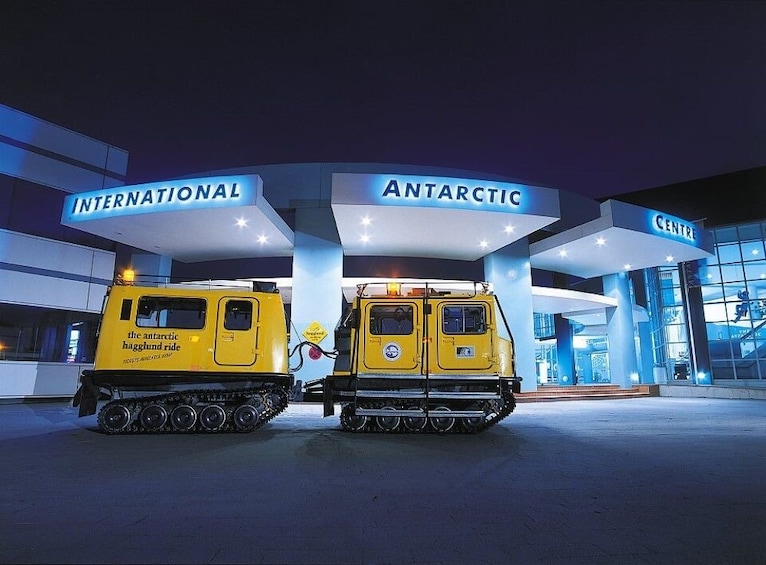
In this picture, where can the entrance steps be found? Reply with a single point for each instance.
(586, 392)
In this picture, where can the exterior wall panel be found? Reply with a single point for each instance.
(41, 272)
(40, 253)
(26, 379)
(50, 292)
(37, 133)
(44, 170)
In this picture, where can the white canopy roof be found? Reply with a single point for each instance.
(227, 217)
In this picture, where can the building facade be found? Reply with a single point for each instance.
(608, 292)
(52, 278)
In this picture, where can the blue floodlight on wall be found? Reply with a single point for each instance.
(703, 378)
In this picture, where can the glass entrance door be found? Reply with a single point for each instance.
(592, 360)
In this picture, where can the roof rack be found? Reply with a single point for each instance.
(414, 288)
(158, 281)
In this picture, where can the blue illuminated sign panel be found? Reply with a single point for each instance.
(451, 193)
(667, 225)
(184, 194)
(443, 192)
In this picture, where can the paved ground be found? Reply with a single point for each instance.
(651, 480)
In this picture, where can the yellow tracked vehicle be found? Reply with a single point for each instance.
(179, 359)
(421, 358)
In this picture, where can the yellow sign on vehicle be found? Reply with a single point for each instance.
(315, 332)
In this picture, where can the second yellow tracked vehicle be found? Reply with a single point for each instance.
(421, 358)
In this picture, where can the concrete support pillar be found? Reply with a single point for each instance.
(696, 326)
(647, 358)
(509, 271)
(645, 344)
(565, 360)
(586, 368)
(619, 320)
(317, 294)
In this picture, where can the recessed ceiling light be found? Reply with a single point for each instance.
(600, 241)
(262, 239)
(669, 258)
(366, 221)
(483, 243)
(509, 229)
(626, 266)
(563, 253)
(241, 222)
(365, 238)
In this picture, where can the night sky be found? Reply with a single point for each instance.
(599, 98)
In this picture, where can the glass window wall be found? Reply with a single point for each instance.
(733, 284)
(672, 332)
(28, 333)
(734, 294)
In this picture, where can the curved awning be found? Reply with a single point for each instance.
(219, 217)
(624, 238)
(439, 217)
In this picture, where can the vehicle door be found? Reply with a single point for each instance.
(464, 340)
(391, 332)
(237, 331)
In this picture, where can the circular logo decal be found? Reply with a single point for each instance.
(392, 351)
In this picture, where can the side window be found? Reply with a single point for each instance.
(167, 312)
(391, 320)
(459, 319)
(127, 306)
(238, 315)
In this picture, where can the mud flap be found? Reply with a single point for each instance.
(329, 405)
(86, 398)
(511, 384)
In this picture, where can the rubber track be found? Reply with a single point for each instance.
(228, 400)
(492, 419)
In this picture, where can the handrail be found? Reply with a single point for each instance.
(752, 332)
